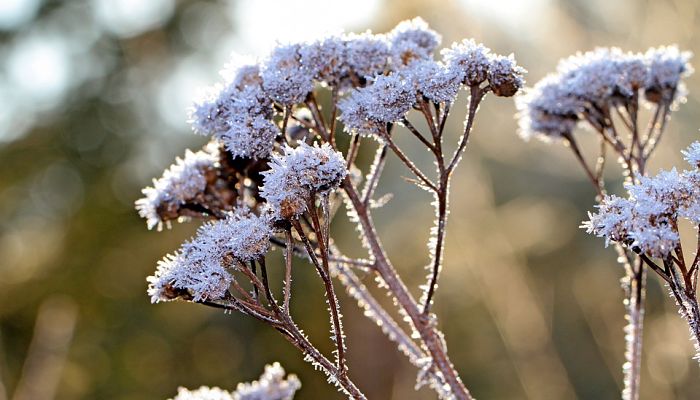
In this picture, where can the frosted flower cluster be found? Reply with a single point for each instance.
(300, 173)
(203, 393)
(387, 98)
(238, 113)
(272, 385)
(412, 40)
(182, 182)
(647, 220)
(587, 83)
(200, 267)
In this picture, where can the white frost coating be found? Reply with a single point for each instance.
(367, 54)
(238, 113)
(547, 110)
(325, 59)
(200, 266)
(692, 154)
(648, 219)
(468, 59)
(386, 99)
(180, 183)
(298, 174)
(435, 81)
(599, 79)
(667, 66)
(505, 76)
(252, 137)
(192, 269)
(272, 385)
(203, 393)
(285, 78)
(412, 40)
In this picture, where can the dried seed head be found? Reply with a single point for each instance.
(505, 76)
(180, 183)
(468, 60)
(285, 79)
(300, 173)
(412, 40)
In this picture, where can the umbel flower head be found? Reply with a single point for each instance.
(299, 174)
(180, 183)
(647, 221)
(200, 269)
(588, 82)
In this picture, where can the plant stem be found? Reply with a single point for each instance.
(431, 337)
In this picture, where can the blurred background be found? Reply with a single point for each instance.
(93, 98)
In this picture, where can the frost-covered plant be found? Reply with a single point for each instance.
(272, 385)
(278, 171)
(607, 91)
(647, 223)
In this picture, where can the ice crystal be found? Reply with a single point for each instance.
(200, 266)
(300, 173)
(181, 182)
(469, 60)
(412, 40)
(285, 78)
(692, 154)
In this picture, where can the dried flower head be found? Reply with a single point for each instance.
(648, 219)
(596, 80)
(299, 174)
(367, 55)
(285, 79)
(435, 81)
(180, 183)
(272, 385)
(667, 66)
(547, 110)
(325, 59)
(505, 76)
(238, 114)
(412, 40)
(203, 393)
(469, 60)
(385, 100)
(199, 268)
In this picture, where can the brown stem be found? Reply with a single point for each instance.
(431, 337)
(324, 271)
(476, 95)
(409, 164)
(289, 249)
